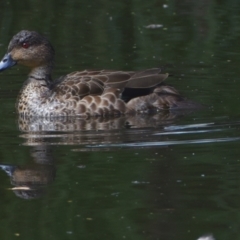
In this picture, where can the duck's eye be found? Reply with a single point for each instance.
(25, 45)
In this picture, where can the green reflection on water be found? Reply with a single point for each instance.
(171, 195)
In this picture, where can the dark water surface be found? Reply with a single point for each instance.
(168, 176)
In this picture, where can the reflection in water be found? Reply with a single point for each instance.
(72, 131)
(29, 180)
(68, 124)
(156, 130)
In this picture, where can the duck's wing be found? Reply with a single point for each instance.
(147, 78)
(96, 82)
(141, 79)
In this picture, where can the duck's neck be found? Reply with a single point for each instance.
(35, 90)
(42, 73)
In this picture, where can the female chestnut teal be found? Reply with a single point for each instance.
(85, 93)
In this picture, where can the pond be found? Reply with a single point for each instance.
(172, 175)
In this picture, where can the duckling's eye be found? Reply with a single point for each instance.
(25, 45)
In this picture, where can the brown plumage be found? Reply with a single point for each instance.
(86, 93)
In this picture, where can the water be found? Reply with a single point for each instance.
(169, 176)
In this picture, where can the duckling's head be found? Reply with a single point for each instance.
(30, 49)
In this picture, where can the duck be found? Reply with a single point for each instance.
(86, 93)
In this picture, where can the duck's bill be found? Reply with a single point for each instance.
(7, 62)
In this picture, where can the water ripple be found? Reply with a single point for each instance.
(166, 143)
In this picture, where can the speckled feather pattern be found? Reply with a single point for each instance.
(71, 97)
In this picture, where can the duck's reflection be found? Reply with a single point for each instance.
(69, 124)
(30, 180)
(93, 131)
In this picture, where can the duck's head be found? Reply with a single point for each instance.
(30, 49)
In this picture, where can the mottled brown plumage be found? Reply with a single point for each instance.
(86, 93)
